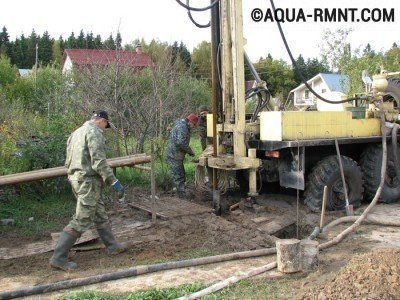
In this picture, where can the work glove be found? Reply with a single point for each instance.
(118, 187)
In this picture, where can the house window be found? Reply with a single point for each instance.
(306, 94)
(323, 90)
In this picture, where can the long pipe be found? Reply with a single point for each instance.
(66, 284)
(62, 171)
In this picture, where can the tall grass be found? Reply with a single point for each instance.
(137, 177)
(35, 216)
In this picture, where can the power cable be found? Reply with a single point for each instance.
(298, 71)
(195, 8)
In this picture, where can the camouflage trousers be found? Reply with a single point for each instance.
(90, 207)
(178, 173)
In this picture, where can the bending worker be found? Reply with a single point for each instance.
(87, 170)
(178, 147)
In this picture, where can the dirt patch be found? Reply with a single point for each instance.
(374, 275)
(206, 234)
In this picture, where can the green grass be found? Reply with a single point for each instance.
(46, 212)
(152, 294)
(256, 289)
(137, 177)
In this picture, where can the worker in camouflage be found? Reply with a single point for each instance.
(202, 125)
(178, 147)
(87, 170)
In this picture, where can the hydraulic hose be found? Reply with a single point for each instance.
(394, 150)
(193, 21)
(298, 71)
(361, 218)
(139, 270)
(195, 8)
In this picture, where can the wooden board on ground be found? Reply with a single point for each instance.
(119, 229)
(170, 207)
(276, 225)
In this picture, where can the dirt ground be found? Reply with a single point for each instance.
(365, 265)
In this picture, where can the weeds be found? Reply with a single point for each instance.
(153, 294)
(34, 216)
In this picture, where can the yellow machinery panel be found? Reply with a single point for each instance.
(209, 125)
(306, 125)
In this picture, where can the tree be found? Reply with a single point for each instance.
(4, 42)
(278, 75)
(302, 68)
(45, 48)
(71, 42)
(336, 50)
(57, 52)
(90, 43)
(184, 54)
(141, 105)
(201, 61)
(110, 43)
(368, 50)
(391, 60)
(309, 68)
(81, 41)
(8, 74)
(98, 44)
(118, 41)
(32, 43)
(20, 49)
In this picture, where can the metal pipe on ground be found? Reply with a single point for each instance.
(67, 284)
(62, 171)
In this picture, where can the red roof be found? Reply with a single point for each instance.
(85, 57)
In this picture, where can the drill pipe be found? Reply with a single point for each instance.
(11, 179)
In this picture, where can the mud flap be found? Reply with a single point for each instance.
(291, 168)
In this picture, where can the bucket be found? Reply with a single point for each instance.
(357, 112)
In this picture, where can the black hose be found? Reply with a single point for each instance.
(193, 21)
(394, 150)
(195, 8)
(298, 71)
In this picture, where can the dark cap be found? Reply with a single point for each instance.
(203, 108)
(101, 114)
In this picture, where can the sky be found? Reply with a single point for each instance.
(167, 21)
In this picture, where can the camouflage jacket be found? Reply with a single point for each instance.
(202, 126)
(178, 142)
(86, 155)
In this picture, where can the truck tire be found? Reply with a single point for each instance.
(392, 92)
(327, 172)
(371, 163)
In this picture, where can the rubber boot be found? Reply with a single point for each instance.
(59, 260)
(112, 246)
(182, 194)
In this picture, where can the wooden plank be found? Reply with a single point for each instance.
(170, 207)
(276, 225)
(261, 219)
(85, 237)
(149, 211)
(47, 246)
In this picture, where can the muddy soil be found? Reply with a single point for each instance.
(354, 268)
